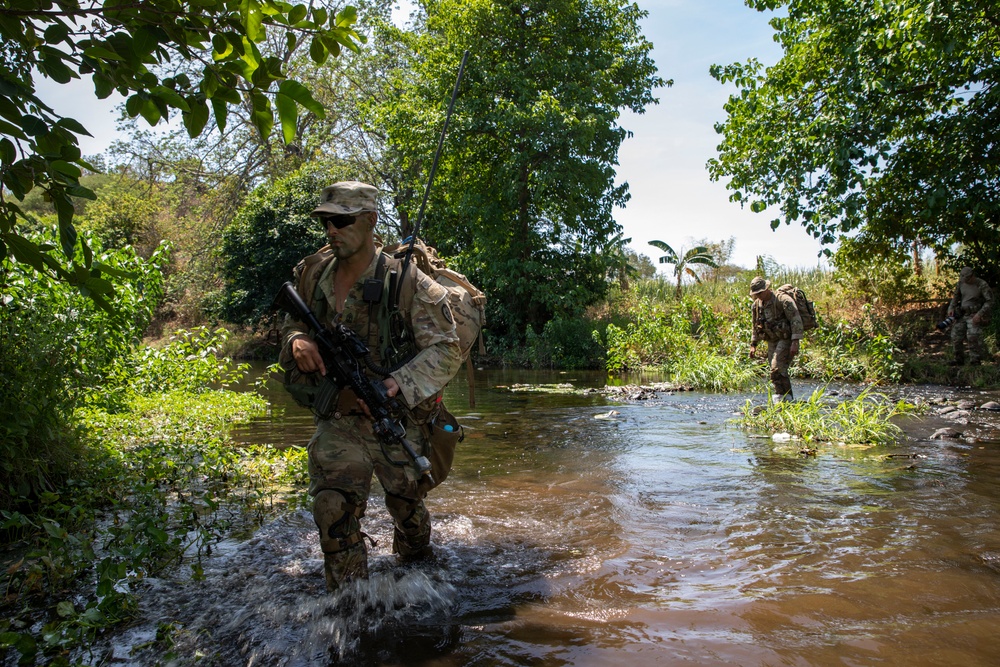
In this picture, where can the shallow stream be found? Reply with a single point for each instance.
(657, 534)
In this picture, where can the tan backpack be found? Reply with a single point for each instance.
(807, 311)
(468, 303)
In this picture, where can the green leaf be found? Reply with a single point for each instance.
(103, 86)
(25, 251)
(150, 111)
(297, 13)
(301, 94)
(134, 104)
(288, 115)
(221, 110)
(73, 126)
(348, 16)
(253, 20)
(66, 168)
(56, 33)
(8, 152)
(317, 51)
(262, 117)
(195, 119)
(157, 534)
(331, 44)
(99, 286)
(101, 53)
(65, 609)
(170, 97)
(33, 126)
(53, 66)
(221, 47)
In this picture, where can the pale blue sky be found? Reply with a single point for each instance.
(673, 199)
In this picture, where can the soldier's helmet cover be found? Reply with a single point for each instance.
(965, 272)
(347, 198)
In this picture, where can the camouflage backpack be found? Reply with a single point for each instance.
(807, 311)
(468, 303)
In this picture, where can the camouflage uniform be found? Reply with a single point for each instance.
(969, 300)
(343, 452)
(778, 322)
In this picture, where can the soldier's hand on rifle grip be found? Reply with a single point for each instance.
(307, 356)
(391, 389)
(753, 351)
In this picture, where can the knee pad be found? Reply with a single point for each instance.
(338, 521)
(405, 513)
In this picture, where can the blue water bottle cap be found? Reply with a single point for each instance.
(449, 427)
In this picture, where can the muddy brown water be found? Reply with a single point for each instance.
(660, 535)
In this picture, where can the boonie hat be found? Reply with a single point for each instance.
(965, 272)
(347, 198)
(758, 285)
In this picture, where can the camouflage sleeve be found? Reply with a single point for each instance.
(987, 293)
(291, 329)
(755, 329)
(439, 356)
(956, 299)
(792, 315)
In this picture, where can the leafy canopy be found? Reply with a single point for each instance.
(126, 47)
(525, 189)
(882, 117)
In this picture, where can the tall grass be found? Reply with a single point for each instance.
(706, 369)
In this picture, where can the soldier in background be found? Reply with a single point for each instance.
(970, 306)
(776, 320)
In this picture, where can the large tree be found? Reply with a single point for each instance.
(526, 188)
(131, 47)
(881, 121)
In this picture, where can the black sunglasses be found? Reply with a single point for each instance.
(338, 221)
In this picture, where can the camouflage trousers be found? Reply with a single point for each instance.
(779, 357)
(965, 329)
(343, 455)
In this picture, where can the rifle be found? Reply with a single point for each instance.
(343, 353)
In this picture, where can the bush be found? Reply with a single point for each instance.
(272, 231)
(56, 347)
(570, 344)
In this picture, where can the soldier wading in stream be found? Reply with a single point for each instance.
(337, 284)
(776, 320)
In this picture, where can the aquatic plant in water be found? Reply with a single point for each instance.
(866, 419)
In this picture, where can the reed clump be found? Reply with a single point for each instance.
(865, 419)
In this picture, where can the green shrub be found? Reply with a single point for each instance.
(56, 348)
(566, 343)
(272, 231)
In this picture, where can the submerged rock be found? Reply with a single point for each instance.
(945, 434)
(990, 405)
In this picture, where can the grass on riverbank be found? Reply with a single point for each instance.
(160, 485)
(866, 419)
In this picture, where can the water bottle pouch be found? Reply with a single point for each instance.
(444, 435)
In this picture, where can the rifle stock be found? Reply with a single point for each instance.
(344, 353)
